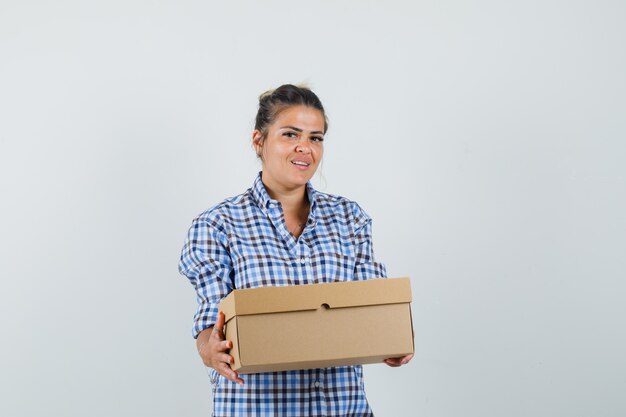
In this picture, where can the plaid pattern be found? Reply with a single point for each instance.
(243, 242)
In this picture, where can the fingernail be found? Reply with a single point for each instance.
(403, 362)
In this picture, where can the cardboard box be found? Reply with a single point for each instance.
(318, 325)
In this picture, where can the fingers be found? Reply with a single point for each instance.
(220, 320)
(215, 351)
(226, 358)
(229, 374)
(220, 360)
(221, 363)
(395, 362)
(218, 327)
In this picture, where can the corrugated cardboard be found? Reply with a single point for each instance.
(318, 325)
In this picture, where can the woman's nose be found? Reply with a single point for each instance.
(303, 148)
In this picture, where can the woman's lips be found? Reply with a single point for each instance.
(301, 164)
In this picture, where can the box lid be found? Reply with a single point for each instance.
(311, 296)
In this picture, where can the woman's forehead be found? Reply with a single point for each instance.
(301, 118)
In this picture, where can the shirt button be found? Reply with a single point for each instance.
(303, 260)
(316, 384)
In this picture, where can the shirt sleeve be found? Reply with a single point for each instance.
(205, 261)
(365, 267)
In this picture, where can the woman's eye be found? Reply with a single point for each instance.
(290, 134)
(317, 139)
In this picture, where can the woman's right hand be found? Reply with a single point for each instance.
(213, 350)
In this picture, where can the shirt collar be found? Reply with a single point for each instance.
(260, 194)
(264, 200)
(312, 199)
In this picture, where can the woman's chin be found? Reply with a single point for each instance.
(302, 178)
(289, 179)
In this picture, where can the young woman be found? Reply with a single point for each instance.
(279, 232)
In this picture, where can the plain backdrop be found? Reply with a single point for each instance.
(485, 138)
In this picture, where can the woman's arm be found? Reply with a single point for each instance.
(366, 267)
(205, 261)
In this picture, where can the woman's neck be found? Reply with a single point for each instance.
(295, 205)
(292, 201)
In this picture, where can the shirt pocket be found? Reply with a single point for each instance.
(262, 270)
(333, 267)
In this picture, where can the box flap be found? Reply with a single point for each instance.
(310, 297)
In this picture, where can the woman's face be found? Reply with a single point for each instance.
(293, 147)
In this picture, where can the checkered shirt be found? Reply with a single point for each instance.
(243, 242)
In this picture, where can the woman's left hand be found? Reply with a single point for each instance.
(395, 362)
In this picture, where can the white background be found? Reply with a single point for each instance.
(485, 138)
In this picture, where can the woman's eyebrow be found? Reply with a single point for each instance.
(297, 129)
(292, 127)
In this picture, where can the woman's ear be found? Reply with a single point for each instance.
(257, 141)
